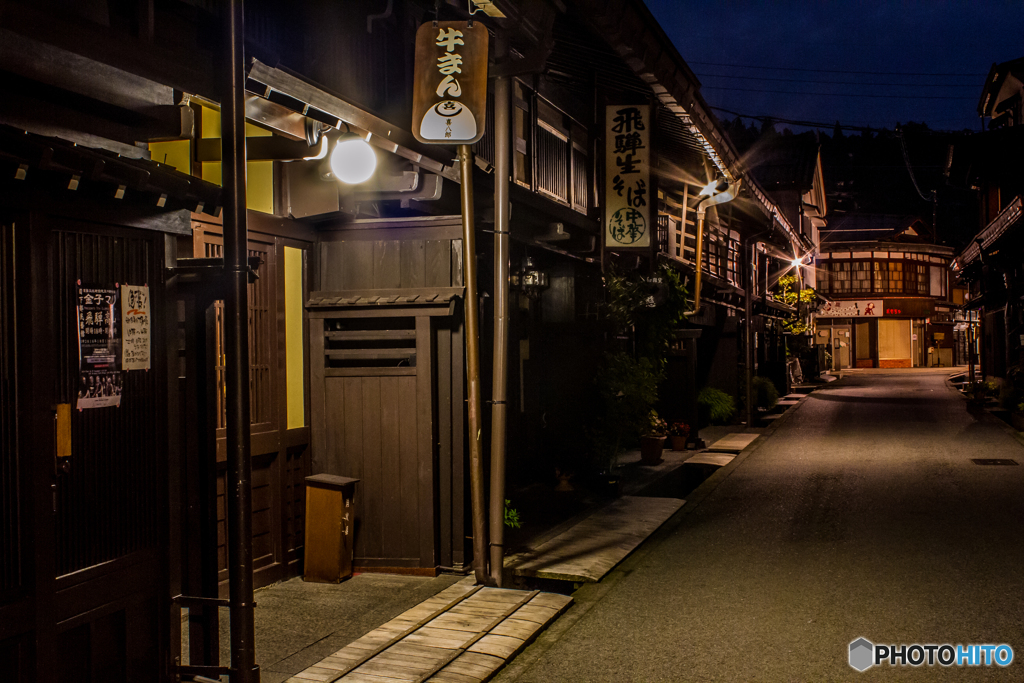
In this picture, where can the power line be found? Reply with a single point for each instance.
(837, 71)
(829, 94)
(801, 80)
(806, 124)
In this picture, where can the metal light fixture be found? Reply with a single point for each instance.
(529, 280)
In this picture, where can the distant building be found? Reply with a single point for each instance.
(891, 303)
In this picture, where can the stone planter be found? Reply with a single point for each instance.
(651, 448)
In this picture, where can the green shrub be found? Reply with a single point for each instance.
(765, 393)
(715, 406)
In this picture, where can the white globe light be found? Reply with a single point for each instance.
(353, 160)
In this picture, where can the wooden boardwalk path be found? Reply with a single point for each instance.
(464, 634)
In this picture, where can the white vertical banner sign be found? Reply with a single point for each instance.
(627, 164)
(135, 327)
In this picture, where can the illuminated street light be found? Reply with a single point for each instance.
(352, 160)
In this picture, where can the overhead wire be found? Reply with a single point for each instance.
(871, 83)
(838, 71)
(827, 94)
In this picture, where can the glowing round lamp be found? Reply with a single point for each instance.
(797, 262)
(353, 160)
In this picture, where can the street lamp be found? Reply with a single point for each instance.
(352, 160)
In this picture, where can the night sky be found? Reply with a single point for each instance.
(805, 47)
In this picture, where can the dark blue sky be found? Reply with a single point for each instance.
(898, 40)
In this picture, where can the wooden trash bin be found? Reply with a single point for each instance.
(330, 514)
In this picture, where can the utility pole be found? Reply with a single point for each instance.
(476, 465)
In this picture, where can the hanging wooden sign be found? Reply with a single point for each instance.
(627, 163)
(449, 103)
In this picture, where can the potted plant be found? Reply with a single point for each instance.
(652, 440)
(678, 433)
(714, 406)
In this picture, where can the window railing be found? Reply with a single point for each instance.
(550, 150)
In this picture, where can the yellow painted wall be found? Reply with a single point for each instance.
(259, 180)
(295, 370)
(176, 153)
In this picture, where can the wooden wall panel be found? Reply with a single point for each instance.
(412, 263)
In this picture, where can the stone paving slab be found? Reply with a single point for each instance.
(589, 550)
(464, 634)
(734, 443)
(719, 459)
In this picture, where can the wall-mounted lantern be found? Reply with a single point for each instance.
(528, 279)
(352, 161)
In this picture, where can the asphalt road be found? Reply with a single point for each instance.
(861, 516)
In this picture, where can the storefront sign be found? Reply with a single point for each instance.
(909, 308)
(449, 102)
(135, 327)
(872, 308)
(99, 347)
(627, 210)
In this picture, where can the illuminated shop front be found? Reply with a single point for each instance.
(890, 303)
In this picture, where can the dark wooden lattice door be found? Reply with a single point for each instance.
(95, 578)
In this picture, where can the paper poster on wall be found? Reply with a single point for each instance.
(135, 327)
(99, 347)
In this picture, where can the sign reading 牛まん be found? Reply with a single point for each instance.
(627, 163)
(449, 101)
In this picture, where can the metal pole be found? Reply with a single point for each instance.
(236, 350)
(499, 377)
(476, 469)
(748, 330)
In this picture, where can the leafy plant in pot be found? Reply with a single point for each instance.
(652, 440)
(678, 433)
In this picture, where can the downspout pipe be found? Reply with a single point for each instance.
(236, 348)
(499, 376)
(712, 197)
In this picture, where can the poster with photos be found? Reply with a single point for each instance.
(99, 347)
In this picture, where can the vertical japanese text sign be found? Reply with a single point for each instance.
(627, 212)
(449, 101)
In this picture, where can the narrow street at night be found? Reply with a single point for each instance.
(460, 341)
(862, 516)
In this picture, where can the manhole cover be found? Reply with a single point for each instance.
(993, 461)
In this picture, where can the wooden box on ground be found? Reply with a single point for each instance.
(329, 521)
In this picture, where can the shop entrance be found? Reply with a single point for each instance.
(895, 343)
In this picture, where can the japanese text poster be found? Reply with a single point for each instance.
(135, 327)
(99, 347)
(627, 211)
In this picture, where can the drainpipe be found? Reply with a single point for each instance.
(236, 348)
(499, 379)
(711, 198)
(476, 464)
